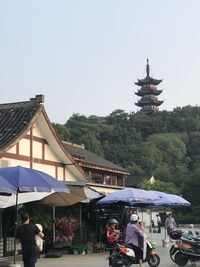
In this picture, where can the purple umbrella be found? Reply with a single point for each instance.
(166, 199)
(131, 197)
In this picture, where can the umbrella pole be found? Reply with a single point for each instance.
(53, 228)
(142, 216)
(165, 228)
(16, 225)
(80, 218)
(151, 228)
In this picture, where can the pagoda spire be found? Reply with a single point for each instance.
(147, 68)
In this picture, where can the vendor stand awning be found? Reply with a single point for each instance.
(9, 201)
(104, 189)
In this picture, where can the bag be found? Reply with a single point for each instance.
(39, 244)
(38, 240)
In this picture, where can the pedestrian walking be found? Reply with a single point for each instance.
(26, 233)
(159, 223)
(170, 225)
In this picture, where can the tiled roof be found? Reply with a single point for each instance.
(89, 158)
(15, 119)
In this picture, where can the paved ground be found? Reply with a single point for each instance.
(96, 260)
(99, 259)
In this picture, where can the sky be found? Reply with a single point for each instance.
(84, 56)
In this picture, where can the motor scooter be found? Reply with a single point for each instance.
(186, 248)
(124, 256)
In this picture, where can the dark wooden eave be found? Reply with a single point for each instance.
(90, 160)
(149, 102)
(148, 91)
(148, 80)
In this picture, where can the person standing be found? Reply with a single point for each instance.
(134, 235)
(170, 225)
(159, 223)
(26, 233)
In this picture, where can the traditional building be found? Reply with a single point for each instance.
(148, 92)
(99, 170)
(27, 138)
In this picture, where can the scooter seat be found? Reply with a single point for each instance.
(197, 239)
(190, 241)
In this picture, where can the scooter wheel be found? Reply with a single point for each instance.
(172, 253)
(172, 250)
(180, 259)
(154, 260)
(115, 262)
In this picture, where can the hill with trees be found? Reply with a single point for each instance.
(165, 144)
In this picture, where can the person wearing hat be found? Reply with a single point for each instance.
(112, 235)
(133, 236)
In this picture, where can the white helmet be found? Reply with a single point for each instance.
(112, 221)
(134, 218)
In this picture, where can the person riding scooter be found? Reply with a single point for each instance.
(112, 235)
(134, 237)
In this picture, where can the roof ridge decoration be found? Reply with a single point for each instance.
(37, 100)
(147, 68)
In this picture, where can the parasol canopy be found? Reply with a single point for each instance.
(130, 196)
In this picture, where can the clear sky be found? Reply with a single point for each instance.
(85, 55)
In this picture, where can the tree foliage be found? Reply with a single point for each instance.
(160, 186)
(166, 144)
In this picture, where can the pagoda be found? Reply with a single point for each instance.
(148, 92)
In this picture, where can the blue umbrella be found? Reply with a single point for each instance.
(29, 180)
(5, 187)
(166, 199)
(170, 200)
(180, 200)
(130, 196)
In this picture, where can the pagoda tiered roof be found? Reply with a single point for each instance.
(148, 102)
(147, 80)
(147, 91)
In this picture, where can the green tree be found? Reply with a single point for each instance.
(165, 143)
(160, 186)
(62, 131)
